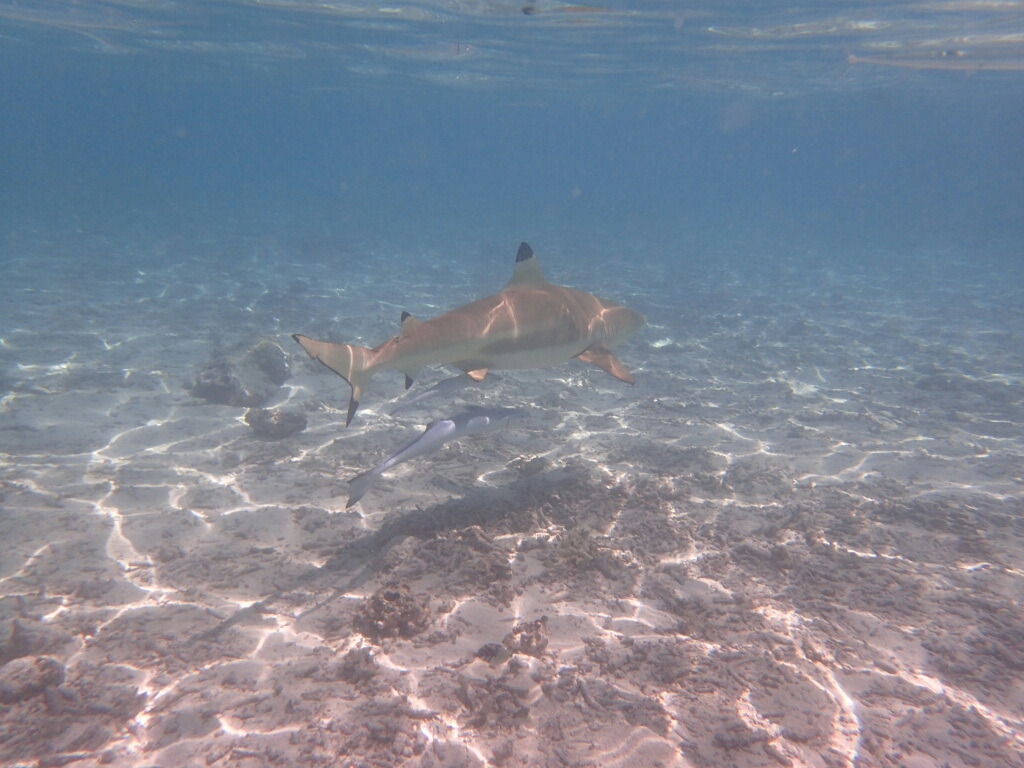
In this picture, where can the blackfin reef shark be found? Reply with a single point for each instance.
(531, 323)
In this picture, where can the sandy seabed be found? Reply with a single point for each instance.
(797, 541)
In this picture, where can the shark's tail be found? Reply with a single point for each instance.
(360, 484)
(347, 360)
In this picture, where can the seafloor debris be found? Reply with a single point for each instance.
(393, 612)
(250, 380)
(530, 637)
(529, 467)
(30, 675)
(275, 424)
(493, 703)
(32, 638)
(358, 665)
(493, 653)
(737, 734)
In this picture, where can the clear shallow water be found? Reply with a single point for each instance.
(796, 541)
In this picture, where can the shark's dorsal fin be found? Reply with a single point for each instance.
(527, 269)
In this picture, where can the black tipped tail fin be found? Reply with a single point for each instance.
(359, 485)
(346, 360)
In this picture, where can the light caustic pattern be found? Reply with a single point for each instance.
(761, 555)
(767, 50)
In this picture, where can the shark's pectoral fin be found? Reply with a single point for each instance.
(600, 356)
(477, 375)
(359, 485)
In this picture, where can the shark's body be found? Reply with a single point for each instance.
(473, 422)
(530, 324)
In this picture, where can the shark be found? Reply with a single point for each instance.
(475, 421)
(530, 323)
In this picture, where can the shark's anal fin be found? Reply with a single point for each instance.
(477, 375)
(600, 356)
(408, 323)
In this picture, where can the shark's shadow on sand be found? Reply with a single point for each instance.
(360, 559)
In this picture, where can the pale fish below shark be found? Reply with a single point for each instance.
(475, 421)
(531, 323)
(445, 388)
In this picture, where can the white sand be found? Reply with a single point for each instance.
(796, 541)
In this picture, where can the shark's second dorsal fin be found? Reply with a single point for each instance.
(408, 323)
(527, 269)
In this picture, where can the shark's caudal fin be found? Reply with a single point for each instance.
(346, 360)
(359, 485)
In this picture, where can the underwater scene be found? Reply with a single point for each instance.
(465, 384)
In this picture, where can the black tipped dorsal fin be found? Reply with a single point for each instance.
(527, 269)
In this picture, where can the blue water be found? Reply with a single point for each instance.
(378, 133)
(797, 540)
